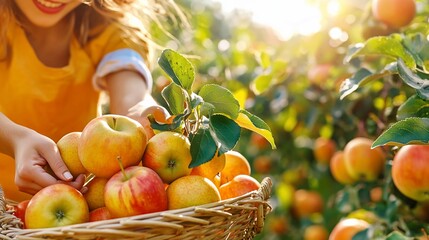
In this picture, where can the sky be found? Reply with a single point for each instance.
(286, 17)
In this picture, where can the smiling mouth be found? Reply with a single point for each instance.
(49, 4)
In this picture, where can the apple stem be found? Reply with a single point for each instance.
(122, 167)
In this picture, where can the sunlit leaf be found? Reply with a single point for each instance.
(265, 60)
(390, 46)
(408, 131)
(261, 83)
(413, 80)
(413, 107)
(175, 98)
(179, 68)
(221, 98)
(255, 124)
(203, 147)
(225, 131)
(362, 77)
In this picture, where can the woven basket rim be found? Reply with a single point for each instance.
(255, 201)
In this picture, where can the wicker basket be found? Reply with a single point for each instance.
(238, 218)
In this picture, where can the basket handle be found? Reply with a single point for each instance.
(265, 189)
(265, 192)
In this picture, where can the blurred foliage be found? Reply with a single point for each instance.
(297, 86)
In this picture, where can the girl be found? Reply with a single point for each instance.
(56, 57)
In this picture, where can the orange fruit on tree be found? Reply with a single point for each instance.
(259, 141)
(316, 232)
(239, 185)
(324, 149)
(410, 171)
(278, 224)
(262, 164)
(376, 194)
(191, 190)
(361, 161)
(211, 168)
(306, 202)
(338, 169)
(347, 228)
(394, 13)
(235, 164)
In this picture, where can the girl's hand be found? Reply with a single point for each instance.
(34, 154)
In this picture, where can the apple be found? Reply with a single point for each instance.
(95, 194)
(109, 138)
(169, 155)
(98, 214)
(410, 171)
(135, 190)
(67, 145)
(192, 190)
(239, 185)
(20, 209)
(56, 205)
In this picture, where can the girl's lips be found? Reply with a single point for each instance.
(49, 7)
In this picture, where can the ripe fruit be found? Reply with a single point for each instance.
(376, 194)
(362, 162)
(410, 171)
(169, 155)
(238, 186)
(99, 214)
(158, 113)
(211, 168)
(135, 190)
(67, 145)
(347, 228)
(262, 164)
(190, 191)
(259, 141)
(394, 13)
(324, 149)
(338, 169)
(95, 194)
(278, 224)
(306, 202)
(20, 209)
(56, 205)
(316, 232)
(235, 164)
(319, 74)
(109, 138)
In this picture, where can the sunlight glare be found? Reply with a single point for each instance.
(287, 18)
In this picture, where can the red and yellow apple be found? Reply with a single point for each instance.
(235, 164)
(169, 155)
(135, 190)
(56, 205)
(109, 138)
(20, 209)
(99, 214)
(410, 171)
(362, 162)
(347, 228)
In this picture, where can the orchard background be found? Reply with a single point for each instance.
(339, 83)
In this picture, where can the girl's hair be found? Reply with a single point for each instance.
(133, 17)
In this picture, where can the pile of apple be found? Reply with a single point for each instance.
(129, 174)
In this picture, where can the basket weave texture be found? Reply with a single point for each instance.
(238, 218)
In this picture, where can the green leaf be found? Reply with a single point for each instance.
(395, 235)
(390, 46)
(203, 147)
(415, 106)
(225, 131)
(178, 68)
(221, 98)
(408, 131)
(261, 83)
(175, 98)
(252, 122)
(362, 77)
(413, 80)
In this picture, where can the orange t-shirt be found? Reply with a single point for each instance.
(52, 101)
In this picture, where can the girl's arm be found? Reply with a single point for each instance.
(33, 152)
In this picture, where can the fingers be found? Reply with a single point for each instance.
(53, 157)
